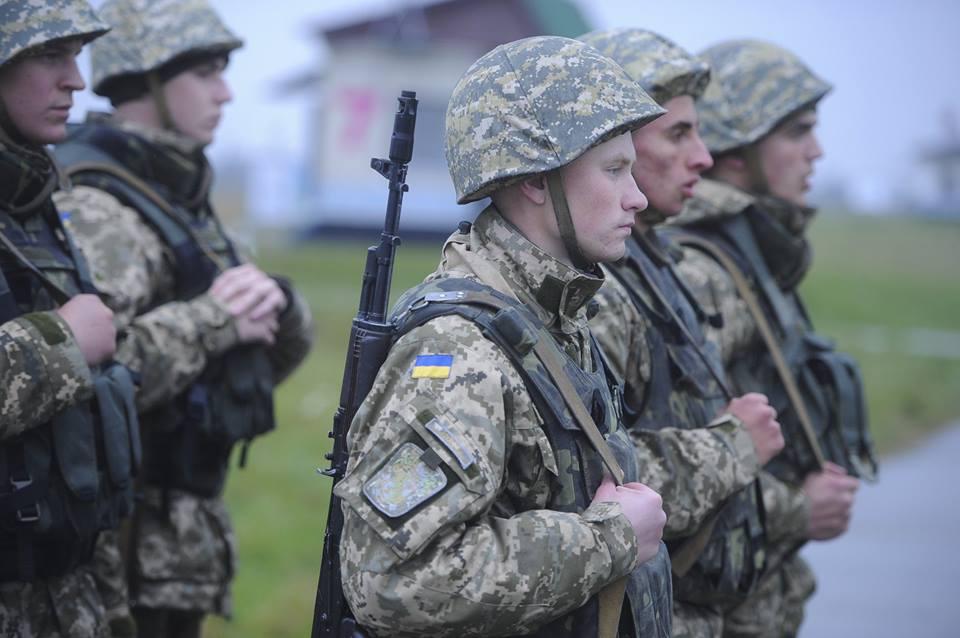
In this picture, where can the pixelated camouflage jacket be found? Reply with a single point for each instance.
(186, 556)
(487, 559)
(694, 468)
(41, 366)
(785, 504)
(167, 341)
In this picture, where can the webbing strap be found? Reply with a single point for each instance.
(59, 294)
(548, 357)
(564, 221)
(783, 370)
(145, 190)
(681, 324)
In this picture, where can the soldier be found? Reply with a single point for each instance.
(672, 377)
(746, 255)
(67, 426)
(210, 335)
(485, 421)
(474, 503)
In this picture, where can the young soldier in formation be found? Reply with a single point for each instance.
(650, 328)
(67, 425)
(475, 499)
(209, 334)
(757, 119)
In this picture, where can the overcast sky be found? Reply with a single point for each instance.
(893, 64)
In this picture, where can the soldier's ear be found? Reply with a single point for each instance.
(534, 188)
(733, 162)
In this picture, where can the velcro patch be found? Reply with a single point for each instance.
(404, 482)
(432, 366)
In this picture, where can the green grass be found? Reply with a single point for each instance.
(890, 274)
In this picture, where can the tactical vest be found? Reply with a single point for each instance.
(515, 329)
(829, 381)
(64, 481)
(189, 442)
(683, 393)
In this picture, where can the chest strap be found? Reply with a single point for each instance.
(766, 332)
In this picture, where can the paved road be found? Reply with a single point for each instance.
(896, 573)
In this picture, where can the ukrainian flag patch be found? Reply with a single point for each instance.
(432, 366)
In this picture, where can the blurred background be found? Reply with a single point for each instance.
(315, 88)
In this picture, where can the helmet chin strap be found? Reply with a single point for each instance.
(565, 223)
(755, 174)
(163, 109)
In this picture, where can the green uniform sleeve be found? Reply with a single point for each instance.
(447, 531)
(42, 371)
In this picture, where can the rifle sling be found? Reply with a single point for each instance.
(763, 326)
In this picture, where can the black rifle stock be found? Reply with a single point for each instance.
(370, 340)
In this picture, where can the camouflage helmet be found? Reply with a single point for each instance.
(147, 34)
(662, 68)
(755, 86)
(25, 24)
(534, 105)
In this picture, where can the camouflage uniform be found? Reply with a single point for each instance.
(756, 85)
(42, 371)
(184, 555)
(497, 553)
(686, 468)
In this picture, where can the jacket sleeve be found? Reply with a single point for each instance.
(42, 371)
(787, 510)
(167, 342)
(295, 333)
(695, 469)
(431, 543)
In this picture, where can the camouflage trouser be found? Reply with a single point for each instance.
(695, 621)
(111, 576)
(67, 606)
(185, 554)
(775, 608)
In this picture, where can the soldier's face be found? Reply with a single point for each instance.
(670, 156)
(37, 90)
(603, 198)
(787, 155)
(196, 98)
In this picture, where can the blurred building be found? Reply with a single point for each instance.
(424, 47)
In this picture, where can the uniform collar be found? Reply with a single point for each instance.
(558, 293)
(162, 158)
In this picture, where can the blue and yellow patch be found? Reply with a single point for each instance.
(432, 366)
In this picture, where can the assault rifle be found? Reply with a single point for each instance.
(370, 339)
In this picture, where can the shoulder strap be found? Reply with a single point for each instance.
(171, 225)
(547, 354)
(676, 320)
(783, 370)
(59, 294)
(739, 232)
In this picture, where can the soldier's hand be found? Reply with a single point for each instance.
(760, 419)
(91, 323)
(248, 291)
(643, 507)
(257, 331)
(830, 496)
